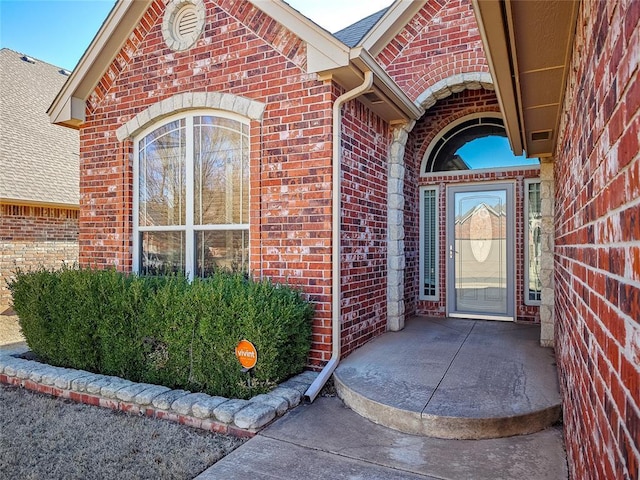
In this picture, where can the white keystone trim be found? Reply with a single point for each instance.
(246, 107)
(454, 84)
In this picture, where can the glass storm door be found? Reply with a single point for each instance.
(480, 261)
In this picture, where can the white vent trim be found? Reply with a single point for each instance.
(183, 23)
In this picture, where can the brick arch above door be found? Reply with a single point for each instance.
(396, 193)
(454, 84)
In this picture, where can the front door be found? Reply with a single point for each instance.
(480, 243)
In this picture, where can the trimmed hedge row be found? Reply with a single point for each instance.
(165, 330)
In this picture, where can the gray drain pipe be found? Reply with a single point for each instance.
(336, 299)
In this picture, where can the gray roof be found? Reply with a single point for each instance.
(352, 34)
(39, 162)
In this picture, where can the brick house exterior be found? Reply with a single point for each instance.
(38, 172)
(342, 132)
(597, 239)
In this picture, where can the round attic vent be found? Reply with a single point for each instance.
(183, 23)
(186, 22)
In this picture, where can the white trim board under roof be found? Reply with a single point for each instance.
(330, 58)
(326, 55)
(68, 108)
(390, 24)
(528, 47)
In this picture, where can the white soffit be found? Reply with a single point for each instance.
(528, 45)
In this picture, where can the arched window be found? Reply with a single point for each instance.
(191, 195)
(470, 144)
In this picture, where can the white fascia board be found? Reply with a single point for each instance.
(37, 203)
(495, 40)
(363, 59)
(71, 114)
(390, 24)
(324, 51)
(96, 59)
(318, 60)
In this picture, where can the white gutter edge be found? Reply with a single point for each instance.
(314, 389)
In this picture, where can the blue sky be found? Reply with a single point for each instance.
(492, 151)
(56, 32)
(59, 31)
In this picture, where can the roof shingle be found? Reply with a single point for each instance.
(352, 34)
(39, 162)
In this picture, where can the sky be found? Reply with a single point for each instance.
(492, 151)
(59, 31)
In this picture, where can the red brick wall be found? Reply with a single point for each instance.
(437, 118)
(243, 52)
(597, 261)
(365, 143)
(440, 41)
(31, 237)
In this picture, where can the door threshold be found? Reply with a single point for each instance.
(473, 316)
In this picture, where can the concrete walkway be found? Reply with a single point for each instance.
(454, 378)
(326, 440)
(445, 376)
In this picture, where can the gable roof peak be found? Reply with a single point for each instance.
(352, 34)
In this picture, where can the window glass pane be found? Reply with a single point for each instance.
(221, 250)
(216, 151)
(474, 144)
(429, 254)
(162, 253)
(535, 219)
(162, 176)
(220, 172)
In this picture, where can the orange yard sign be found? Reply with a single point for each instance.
(246, 354)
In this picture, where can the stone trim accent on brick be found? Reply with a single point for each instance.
(395, 225)
(396, 307)
(180, 102)
(547, 298)
(454, 84)
(241, 418)
(172, 38)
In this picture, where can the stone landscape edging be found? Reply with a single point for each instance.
(240, 418)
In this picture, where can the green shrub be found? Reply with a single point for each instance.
(165, 330)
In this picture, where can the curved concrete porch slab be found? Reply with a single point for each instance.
(453, 378)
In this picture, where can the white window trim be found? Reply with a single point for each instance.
(421, 295)
(189, 228)
(527, 300)
(444, 131)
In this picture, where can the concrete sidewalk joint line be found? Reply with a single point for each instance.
(243, 418)
(453, 359)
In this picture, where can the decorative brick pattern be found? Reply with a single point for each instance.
(32, 236)
(441, 41)
(187, 101)
(597, 244)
